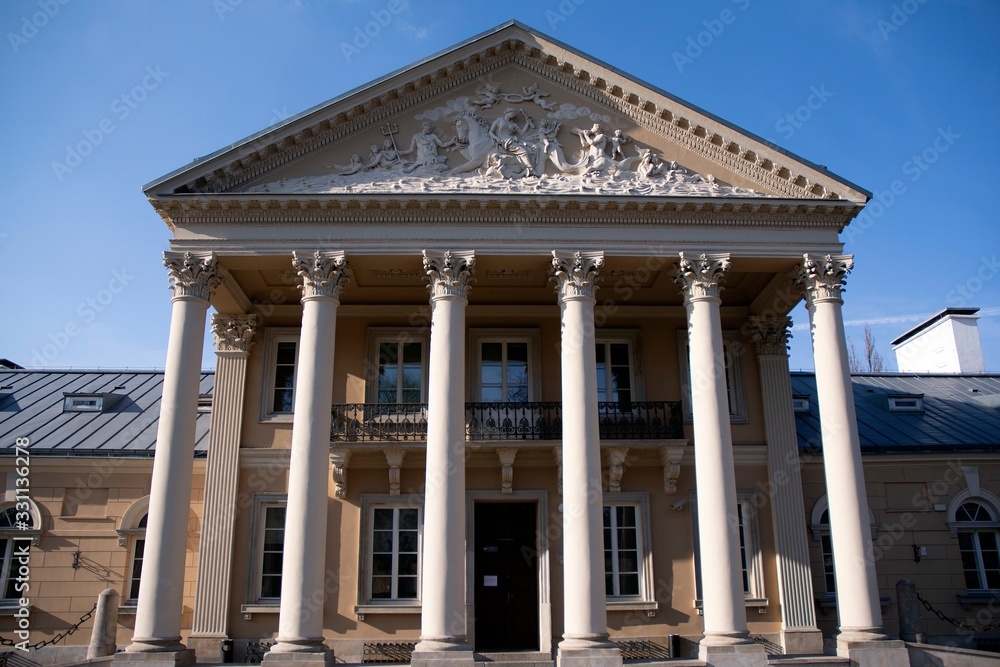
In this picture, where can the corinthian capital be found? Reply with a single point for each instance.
(769, 335)
(323, 274)
(450, 273)
(576, 274)
(701, 277)
(192, 274)
(823, 277)
(234, 333)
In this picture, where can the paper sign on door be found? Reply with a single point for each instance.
(490, 580)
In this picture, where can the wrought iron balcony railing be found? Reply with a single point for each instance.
(407, 422)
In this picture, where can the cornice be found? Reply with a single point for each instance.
(713, 140)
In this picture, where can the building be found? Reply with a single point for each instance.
(499, 465)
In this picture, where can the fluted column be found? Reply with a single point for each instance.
(799, 634)
(822, 280)
(585, 625)
(442, 592)
(322, 276)
(724, 607)
(233, 339)
(161, 593)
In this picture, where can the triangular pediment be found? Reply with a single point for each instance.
(508, 112)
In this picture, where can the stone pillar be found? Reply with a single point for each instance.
(911, 623)
(861, 636)
(104, 636)
(585, 625)
(443, 637)
(726, 641)
(157, 636)
(799, 634)
(233, 338)
(303, 588)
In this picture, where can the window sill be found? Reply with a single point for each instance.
(406, 608)
(978, 597)
(648, 606)
(278, 418)
(248, 610)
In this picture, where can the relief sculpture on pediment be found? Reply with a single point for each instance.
(514, 151)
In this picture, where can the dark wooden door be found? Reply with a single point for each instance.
(506, 577)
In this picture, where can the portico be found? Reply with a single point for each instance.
(506, 325)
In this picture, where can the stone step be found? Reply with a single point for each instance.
(514, 659)
(807, 661)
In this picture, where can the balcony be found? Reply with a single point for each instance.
(407, 422)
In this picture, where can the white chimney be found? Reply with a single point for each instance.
(945, 343)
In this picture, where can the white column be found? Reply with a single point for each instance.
(585, 622)
(233, 339)
(158, 617)
(799, 634)
(303, 587)
(858, 607)
(442, 589)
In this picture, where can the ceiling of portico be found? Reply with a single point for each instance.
(558, 139)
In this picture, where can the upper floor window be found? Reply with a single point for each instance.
(733, 360)
(398, 365)
(280, 350)
(505, 364)
(18, 528)
(614, 372)
(979, 545)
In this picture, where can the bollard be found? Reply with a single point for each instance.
(104, 636)
(227, 651)
(911, 625)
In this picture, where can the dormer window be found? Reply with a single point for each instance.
(83, 403)
(800, 403)
(906, 403)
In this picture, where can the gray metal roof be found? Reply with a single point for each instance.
(961, 412)
(31, 406)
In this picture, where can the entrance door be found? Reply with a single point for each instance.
(506, 577)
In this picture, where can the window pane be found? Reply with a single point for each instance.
(381, 587)
(382, 564)
(517, 373)
(609, 585)
(492, 394)
(518, 394)
(272, 564)
(626, 539)
(628, 561)
(286, 353)
(388, 354)
(492, 352)
(517, 352)
(382, 541)
(388, 377)
(621, 379)
(601, 351)
(407, 588)
(412, 353)
(492, 373)
(383, 519)
(628, 584)
(282, 401)
(626, 516)
(408, 518)
(270, 587)
(411, 396)
(619, 354)
(408, 541)
(407, 564)
(274, 518)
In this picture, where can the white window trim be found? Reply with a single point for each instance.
(734, 363)
(139, 534)
(16, 535)
(631, 338)
(756, 596)
(83, 403)
(254, 603)
(906, 403)
(817, 526)
(35, 532)
(646, 599)
(378, 335)
(984, 497)
(479, 336)
(365, 604)
(272, 337)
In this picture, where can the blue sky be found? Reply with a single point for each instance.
(901, 97)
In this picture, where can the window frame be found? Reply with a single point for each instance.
(630, 337)
(254, 601)
(991, 504)
(366, 604)
(906, 403)
(273, 336)
(732, 347)
(755, 593)
(9, 538)
(379, 335)
(479, 336)
(136, 539)
(645, 600)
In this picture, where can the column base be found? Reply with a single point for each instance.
(873, 652)
(298, 652)
(588, 652)
(207, 648)
(720, 654)
(802, 641)
(156, 657)
(432, 652)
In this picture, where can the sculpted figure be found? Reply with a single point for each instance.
(650, 165)
(618, 139)
(382, 158)
(348, 169)
(425, 144)
(532, 94)
(491, 95)
(504, 132)
(593, 140)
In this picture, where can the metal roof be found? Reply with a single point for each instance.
(960, 412)
(31, 406)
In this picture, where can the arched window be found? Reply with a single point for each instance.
(135, 562)
(820, 526)
(979, 544)
(132, 535)
(19, 529)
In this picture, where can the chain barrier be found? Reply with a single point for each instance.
(59, 637)
(958, 624)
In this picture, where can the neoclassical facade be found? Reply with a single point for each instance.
(502, 367)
